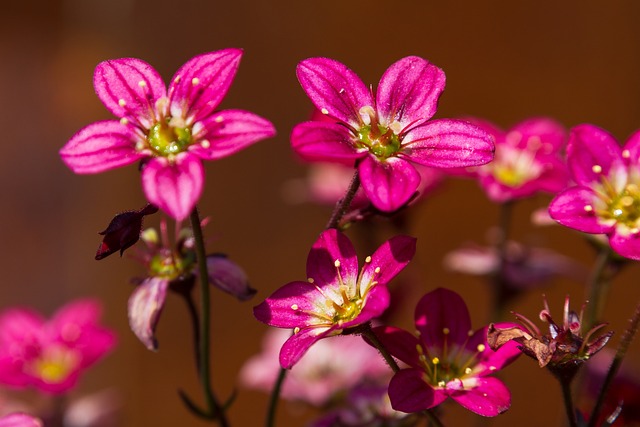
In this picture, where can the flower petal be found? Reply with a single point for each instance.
(409, 91)
(129, 88)
(442, 315)
(229, 277)
(574, 208)
(538, 131)
(295, 347)
(491, 361)
(145, 306)
(174, 187)
(626, 244)
(408, 392)
(489, 397)
(448, 143)
(400, 343)
(593, 153)
(227, 132)
(387, 261)
(320, 141)
(290, 306)
(199, 85)
(20, 420)
(389, 184)
(331, 254)
(375, 303)
(334, 89)
(101, 146)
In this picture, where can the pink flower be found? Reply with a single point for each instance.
(19, 420)
(320, 376)
(385, 136)
(527, 160)
(50, 355)
(336, 296)
(447, 359)
(171, 130)
(606, 199)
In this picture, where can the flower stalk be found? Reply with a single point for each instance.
(343, 205)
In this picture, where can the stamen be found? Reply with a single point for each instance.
(310, 280)
(142, 83)
(122, 102)
(596, 169)
(588, 208)
(205, 144)
(324, 111)
(626, 154)
(195, 81)
(367, 259)
(219, 119)
(336, 263)
(296, 330)
(294, 307)
(124, 121)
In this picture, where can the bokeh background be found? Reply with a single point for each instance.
(577, 61)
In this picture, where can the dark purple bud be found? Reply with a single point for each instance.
(123, 231)
(226, 275)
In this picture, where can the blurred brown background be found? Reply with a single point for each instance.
(577, 61)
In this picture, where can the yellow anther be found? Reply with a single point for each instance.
(324, 111)
(142, 83)
(195, 81)
(122, 102)
(435, 360)
(294, 306)
(296, 330)
(396, 127)
(626, 154)
(310, 280)
(219, 119)
(492, 368)
(205, 144)
(367, 259)
(481, 347)
(377, 270)
(177, 79)
(441, 383)
(588, 208)
(627, 201)
(468, 371)
(596, 168)
(445, 331)
(336, 263)
(124, 121)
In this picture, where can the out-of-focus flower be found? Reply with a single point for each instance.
(384, 137)
(447, 359)
(606, 199)
(172, 130)
(336, 296)
(51, 355)
(123, 231)
(20, 420)
(175, 268)
(527, 160)
(562, 350)
(320, 376)
(101, 409)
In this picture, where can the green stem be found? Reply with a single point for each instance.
(275, 395)
(212, 404)
(343, 205)
(615, 365)
(597, 288)
(568, 402)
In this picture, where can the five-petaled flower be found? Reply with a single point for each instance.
(528, 160)
(172, 130)
(336, 296)
(447, 359)
(606, 199)
(50, 355)
(385, 135)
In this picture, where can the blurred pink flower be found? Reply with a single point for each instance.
(320, 375)
(172, 130)
(51, 355)
(19, 420)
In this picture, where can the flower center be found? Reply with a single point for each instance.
(381, 141)
(166, 139)
(349, 308)
(513, 167)
(168, 265)
(55, 364)
(624, 207)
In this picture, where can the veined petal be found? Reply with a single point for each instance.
(442, 315)
(331, 254)
(409, 393)
(101, 146)
(489, 397)
(297, 345)
(387, 261)
(575, 208)
(390, 183)
(334, 89)
(292, 305)
(409, 91)
(199, 85)
(626, 244)
(448, 143)
(145, 305)
(542, 132)
(319, 141)
(593, 153)
(227, 132)
(400, 343)
(174, 187)
(129, 88)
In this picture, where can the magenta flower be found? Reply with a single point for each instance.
(606, 199)
(336, 296)
(51, 355)
(171, 130)
(527, 160)
(18, 419)
(447, 359)
(385, 136)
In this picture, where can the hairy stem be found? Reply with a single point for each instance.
(343, 205)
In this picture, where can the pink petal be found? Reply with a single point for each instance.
(448, 143)
(497, 133)
(20, 420)
(591, 146)
(334, 89)
(400, 343)
(545, 131)
(490, 397)
(390, 258)
(633, 147)
(442, 310)
(174, 187)
(409, 393)
(101, 146)
(290, 306)
(295, 347)
(409, 91)
(568, 208)
(320, 141)
(199, 85)
(229, 277)
(228, 132)
(389, 183)
(129, 88)
(145, 306)
(626, 244)
(331, 248)
(22, 326)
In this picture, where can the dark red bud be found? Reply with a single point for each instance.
(123, 231)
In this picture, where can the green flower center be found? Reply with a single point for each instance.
(624, 207)
(166, 140)
(171, 266)
(380, 141)
(55, 364)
